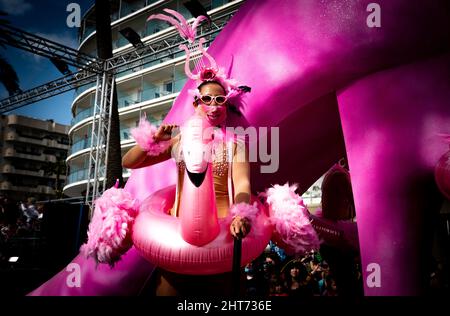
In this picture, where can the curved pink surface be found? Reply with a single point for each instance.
(391, 122)
(129, 275)
(101, 280)
(157, 237)
(295, 55)
(337, 233)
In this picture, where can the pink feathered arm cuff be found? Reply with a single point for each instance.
(249, 211)
(143, 135)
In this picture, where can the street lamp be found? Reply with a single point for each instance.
(61, 65)
(132, 37)
(196, 9)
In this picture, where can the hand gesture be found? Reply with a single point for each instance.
(240, 227)
(164, 132)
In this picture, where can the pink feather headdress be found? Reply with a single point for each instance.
(204, 73)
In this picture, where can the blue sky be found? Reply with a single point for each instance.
(46, 18)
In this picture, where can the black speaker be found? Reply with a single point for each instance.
(64, 228)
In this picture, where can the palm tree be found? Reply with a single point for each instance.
(58, 168)
(104, 51)
(8, 76)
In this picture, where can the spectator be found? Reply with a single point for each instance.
(277, 288)
(296, 279)
(331, 289)
(12, 213)
(29, 210)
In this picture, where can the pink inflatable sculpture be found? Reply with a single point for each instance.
(334, 84)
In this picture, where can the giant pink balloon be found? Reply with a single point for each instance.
(295, 55)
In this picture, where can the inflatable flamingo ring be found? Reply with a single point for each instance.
(196, 242)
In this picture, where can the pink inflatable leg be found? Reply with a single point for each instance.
(390, 121)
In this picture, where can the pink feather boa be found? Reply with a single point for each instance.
(109, 235)
(143, 135)
(290, 217)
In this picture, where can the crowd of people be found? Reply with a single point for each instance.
(275, 274)
(18, 219)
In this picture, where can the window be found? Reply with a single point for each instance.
(168, 86)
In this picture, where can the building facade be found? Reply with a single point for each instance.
(147, 86)
(33, 157)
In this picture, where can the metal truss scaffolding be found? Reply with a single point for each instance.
(101, 122)
(103, 72)
(41, 46)
(158, 49)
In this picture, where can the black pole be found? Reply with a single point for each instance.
(236, 271)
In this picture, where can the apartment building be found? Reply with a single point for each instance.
(33, 157)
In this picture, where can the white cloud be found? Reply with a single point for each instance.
(15, 7)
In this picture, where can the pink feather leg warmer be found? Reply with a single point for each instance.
(293, 230)
(109, 235)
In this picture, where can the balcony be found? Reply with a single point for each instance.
(7, 168)
(80, 145)
(6, 185)
(48, 125)
(44, 189)
(125, 134)
(132, 97)
(138, 22)
(81, 89)
(120, 9)
(82, 115)
(52, 143)
(148, 91)
(14, 136)
(78, 175)
(82, 175)
(172, 69)
(11, 153)
(11, 169)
